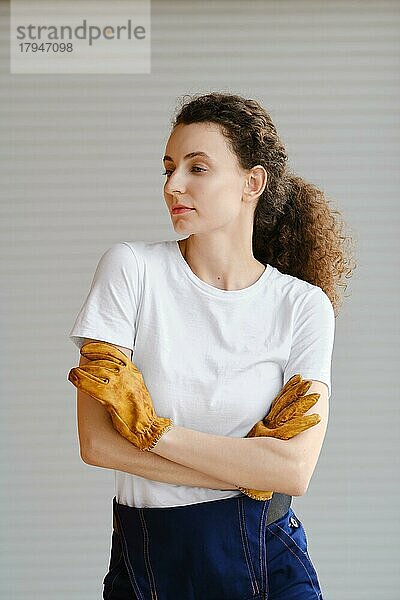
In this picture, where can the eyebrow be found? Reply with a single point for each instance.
(190, 155)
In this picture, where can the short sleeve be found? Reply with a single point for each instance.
(110, 308)
(312, 340)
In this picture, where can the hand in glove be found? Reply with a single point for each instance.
(115, 381)
(285, 419)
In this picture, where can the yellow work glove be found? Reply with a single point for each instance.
(285, 419)
(115, 381)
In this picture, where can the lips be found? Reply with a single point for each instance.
(180, 207)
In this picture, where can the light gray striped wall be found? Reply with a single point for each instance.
(81, 169)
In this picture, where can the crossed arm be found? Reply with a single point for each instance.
(188, 457)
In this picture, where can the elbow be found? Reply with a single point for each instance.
(296, 488)
(291, 482)
(88, 446)
(301, 480)
(287, 472)
(298, 484)
(87, 453)
(86, 459)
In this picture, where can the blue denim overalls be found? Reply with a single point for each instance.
(217, 550)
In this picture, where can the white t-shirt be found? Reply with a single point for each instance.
(213, 360)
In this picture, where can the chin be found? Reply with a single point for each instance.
(181, 227)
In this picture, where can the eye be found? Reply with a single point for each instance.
(167, 171)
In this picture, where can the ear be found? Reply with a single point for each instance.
(256, 180)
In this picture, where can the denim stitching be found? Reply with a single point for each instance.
(242, 524)
(263, 549)
(293, 540)
(115, 576)
(305, 552)
(147, 557)
(305, 536)
(318, 592)
(115, 565)
(304, 531)
(130, 570)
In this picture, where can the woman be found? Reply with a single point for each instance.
(217, 323)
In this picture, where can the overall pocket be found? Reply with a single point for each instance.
(290, 570)
(114, 567)
(116, 584)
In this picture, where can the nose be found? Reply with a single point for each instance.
(173, 184)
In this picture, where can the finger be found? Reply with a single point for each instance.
(297, 425)
(99, 350)
(302, 387)
(298, 389)
(252, 432)
(284, 400)
(88, 383)
(307, 383)
(103, 350)
(103, 364)
(311, 420)
(296, 408)
(302, 405)
(285, 415)
(93, 373)
(289, 385)
(308, 401)
(285, 397)
(100, 372)
(292, 382)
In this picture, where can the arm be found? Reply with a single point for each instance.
(311, 352)
(307, 445)
(101, 445)
(262, 463)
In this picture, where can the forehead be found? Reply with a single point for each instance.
(204, 137)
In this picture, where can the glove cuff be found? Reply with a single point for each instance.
(255, 494)
(149, 438)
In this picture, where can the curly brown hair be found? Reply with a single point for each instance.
(294, 228)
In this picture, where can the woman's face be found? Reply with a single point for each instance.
(212, 186)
